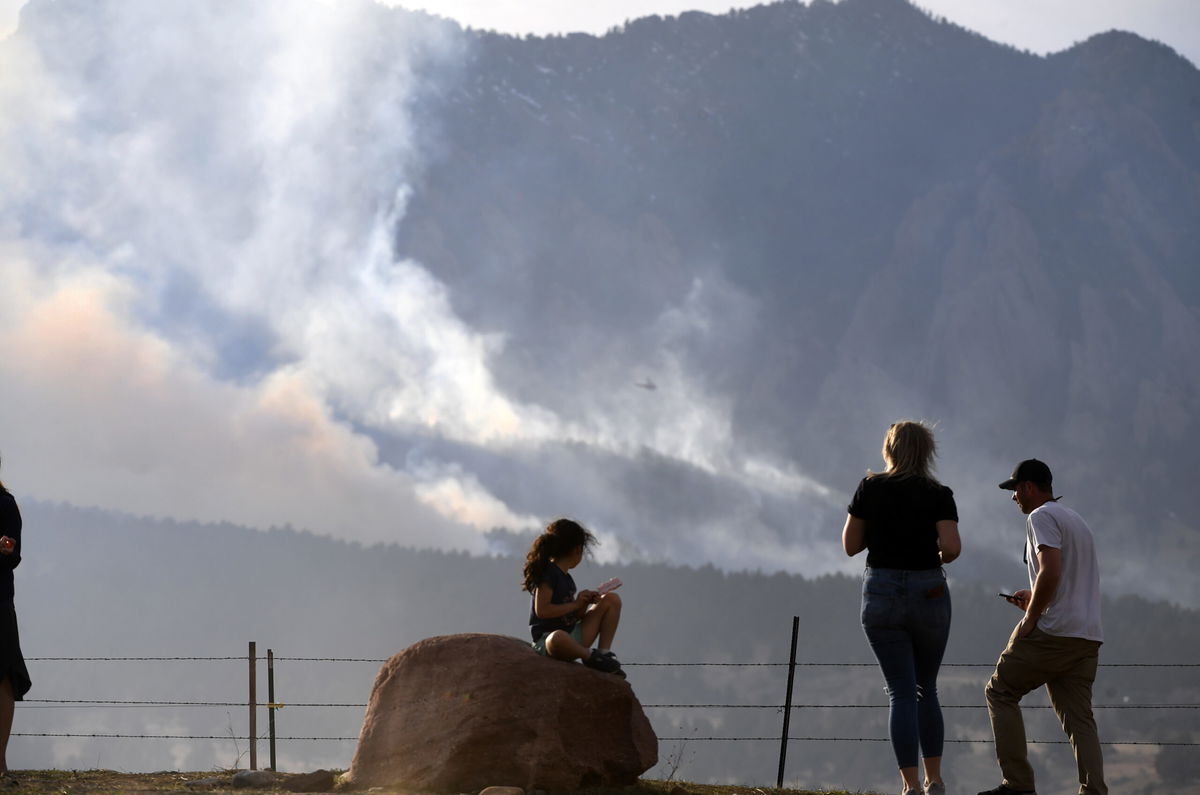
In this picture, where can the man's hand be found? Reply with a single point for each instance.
(1020, 599)
(1027, 625)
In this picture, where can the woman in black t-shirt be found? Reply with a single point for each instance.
(908, 524)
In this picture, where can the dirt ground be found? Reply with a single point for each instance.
(71, 782)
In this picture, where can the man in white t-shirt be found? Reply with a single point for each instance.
(1056, 643)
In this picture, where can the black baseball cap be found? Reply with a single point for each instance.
(1029, 469)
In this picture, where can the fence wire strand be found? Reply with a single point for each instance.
(988, 740)
(37, 703)
(241, 658)
(669, 664)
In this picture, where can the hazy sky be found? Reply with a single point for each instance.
(1038, 25)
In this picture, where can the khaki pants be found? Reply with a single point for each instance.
(1067, 667)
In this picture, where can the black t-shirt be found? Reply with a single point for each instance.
(901, 514)
(562, 588)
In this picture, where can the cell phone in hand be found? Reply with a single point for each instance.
(1007, 595)
(609, 585)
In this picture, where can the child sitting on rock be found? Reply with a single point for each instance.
(564, 624)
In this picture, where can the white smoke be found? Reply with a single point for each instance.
(205, 317)
(183, 180)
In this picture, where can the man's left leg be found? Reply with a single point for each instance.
(1071, 695)
(1019, 671)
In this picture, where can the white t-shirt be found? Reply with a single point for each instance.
(1075, 610)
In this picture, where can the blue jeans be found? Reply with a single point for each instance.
(906, 617)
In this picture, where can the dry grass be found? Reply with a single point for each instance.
(650, 787)
(70, 782)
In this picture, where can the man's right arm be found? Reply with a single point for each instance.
(1044, 588)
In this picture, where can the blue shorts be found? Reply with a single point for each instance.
(576, 632)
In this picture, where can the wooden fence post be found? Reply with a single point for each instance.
(787, 706)
(253, 711)
(271, 702)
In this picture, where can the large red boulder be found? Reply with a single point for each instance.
(463, 712)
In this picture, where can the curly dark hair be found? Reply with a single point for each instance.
(560, 538)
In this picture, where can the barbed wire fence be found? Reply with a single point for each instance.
(785, 709)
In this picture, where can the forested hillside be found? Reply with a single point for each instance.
(97, 584)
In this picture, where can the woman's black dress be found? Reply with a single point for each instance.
(12, 662)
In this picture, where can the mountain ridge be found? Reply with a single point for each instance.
(882, 222)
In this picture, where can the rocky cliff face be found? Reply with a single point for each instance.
(881, 213)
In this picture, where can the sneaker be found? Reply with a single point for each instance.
(1003, 790)
(620, 671)
(605, 663)
(936, 789)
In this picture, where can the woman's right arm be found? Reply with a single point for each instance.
(10, 530)
(949, 544)
(854, 535)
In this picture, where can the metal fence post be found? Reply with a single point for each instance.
(271, 702)
(787, 706)
(253, 711)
